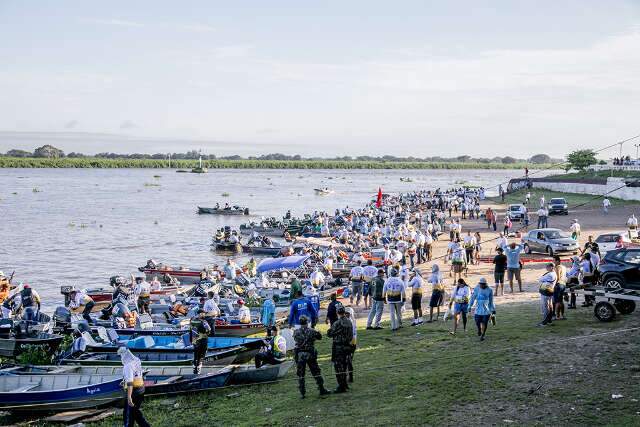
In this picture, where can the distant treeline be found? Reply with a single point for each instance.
(50, 152)
(94, 162)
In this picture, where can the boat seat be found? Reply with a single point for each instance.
(89, 339)
(102, 333)
(170, 380)
(25, 388)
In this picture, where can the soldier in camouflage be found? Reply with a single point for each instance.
(199, 332)
(342, 333)
(306, 354)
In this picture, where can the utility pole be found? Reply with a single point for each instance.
(169, 154)
(637, 146)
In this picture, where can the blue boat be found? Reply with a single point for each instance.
(58, 392)
(173, 343)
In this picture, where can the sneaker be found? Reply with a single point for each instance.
(369, 327)
(482, 338)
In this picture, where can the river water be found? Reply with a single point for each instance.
(81, 226)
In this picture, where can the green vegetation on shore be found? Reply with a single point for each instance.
(95, 162)
(573, 199)
(521, 375)
(597, 175)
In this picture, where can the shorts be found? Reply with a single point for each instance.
(482, 318)
(365, 290)
(416, 301)
(514, 272)
(460, 307)
(436, 298)
(498, 277)
(356, 288)
(457, 267)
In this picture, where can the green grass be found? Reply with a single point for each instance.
(423, 376)
(573, 199)
(92, 162)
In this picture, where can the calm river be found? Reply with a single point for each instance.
(81, 226)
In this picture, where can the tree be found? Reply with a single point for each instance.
(463, 159)
(48, 151)
(540, 159)
(581, 159)
(508, 160)
(18, 153)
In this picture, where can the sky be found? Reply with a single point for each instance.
(320, 78)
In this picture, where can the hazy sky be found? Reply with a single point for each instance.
(320, 77)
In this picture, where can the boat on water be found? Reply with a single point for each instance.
(236, 210)
(199, 169)
(323, 191)
(227, 246)
(16, 337)
(58, 392)
(406, 179)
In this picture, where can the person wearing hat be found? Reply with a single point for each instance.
(437, 294)
(133, 378)
(305, 354)
(332, 309)
(342, 333)
(244, 314)
(274, 350)
(416, 297)
(79, 298)
(482, 298)
(199, 334)
(377, 301)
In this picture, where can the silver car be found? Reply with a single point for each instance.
(549, 241)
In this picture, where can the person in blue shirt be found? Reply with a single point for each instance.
(482, 297)
(301, 306)
(513, 252)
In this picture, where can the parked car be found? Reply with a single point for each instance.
(558, 206)
(608, 241)
(620, 268)
(549, 241)
(516, 212)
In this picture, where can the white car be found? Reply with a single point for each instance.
(516, 212)
(608, 241)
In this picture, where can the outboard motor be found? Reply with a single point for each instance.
(62, 319)
(6, 326)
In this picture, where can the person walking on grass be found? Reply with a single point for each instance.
(437, 294)
(460, 305)
(377, 301)
(342, 333)
(514, 268)
(500, 262)
(546, 284)
(305, 354)
(482, 297)
(395, 294)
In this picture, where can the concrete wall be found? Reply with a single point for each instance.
(625, 193)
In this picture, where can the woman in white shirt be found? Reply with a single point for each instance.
(460, 304)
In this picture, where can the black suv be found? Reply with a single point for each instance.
(620, 268)
(559, 206)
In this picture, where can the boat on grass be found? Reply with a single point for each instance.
(58, 392)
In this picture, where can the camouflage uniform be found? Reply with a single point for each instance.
(342, 333)
(200, 330)
(306, 354)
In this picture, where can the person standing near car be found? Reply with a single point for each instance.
(513, 252)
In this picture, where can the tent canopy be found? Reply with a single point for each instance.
(284, 263)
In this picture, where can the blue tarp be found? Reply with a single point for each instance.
(284, 263)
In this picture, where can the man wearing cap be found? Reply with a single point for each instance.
(482, 297)
(305, 354)
(377, 303)
(394, 294)
(79, 299)
(342, 333)
(199, 333)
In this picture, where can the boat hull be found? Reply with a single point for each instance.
(214, 211)
(12, 347)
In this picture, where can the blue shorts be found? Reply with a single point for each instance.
(460, 307)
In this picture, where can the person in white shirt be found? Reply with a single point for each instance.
(156, 285)
(575, 230)
(542, 201)
(133, 378)
(369, 272)
(244, 314)
(547, 282)
(80, 298)
(606, 204)
(210, 307)
(394, 293)
(317, 278)
(632, 225)
(143, 290)
(356, 277)
(415, 284)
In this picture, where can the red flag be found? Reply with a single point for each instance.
(379, 199)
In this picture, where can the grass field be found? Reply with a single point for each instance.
(90, 162)
(593, 174)
(521, 375)
(573, 199)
